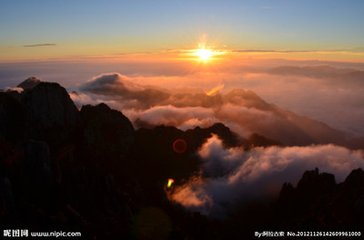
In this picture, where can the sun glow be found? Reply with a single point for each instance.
(204, 54)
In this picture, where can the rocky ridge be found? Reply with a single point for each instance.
(89, 170)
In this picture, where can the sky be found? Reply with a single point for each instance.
(39, 29)
(304, 56)
(289, 70)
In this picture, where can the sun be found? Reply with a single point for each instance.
(204, 54)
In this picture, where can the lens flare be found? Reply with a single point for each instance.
(170, 182)
(179, 146)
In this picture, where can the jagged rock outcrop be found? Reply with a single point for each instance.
(313, 183)
(257, 140)
(106, 130)
(319, 203)
(12, 119)
(198, 135)
(51, 114)
(29, 83)
(37, 176)
(61, 167)
(159, 157)
(348, 203)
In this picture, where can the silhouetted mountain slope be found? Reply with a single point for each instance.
(241, 110)
(256, 140)
(157, 150)
(89, 170)
(12, 119)
(29, 83)
(86, 170)
(319, 203)
(102, 126)
(51, 114)
(282, 125)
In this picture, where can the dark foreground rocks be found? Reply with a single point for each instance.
(89, 170)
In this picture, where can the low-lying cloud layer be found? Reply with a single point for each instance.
(230, 177)
(241, 110)
(233, 176)
(331, 92)
(122, 88)
(185, 97)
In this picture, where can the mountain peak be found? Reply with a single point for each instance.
(29, 83)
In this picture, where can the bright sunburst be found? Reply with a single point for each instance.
(204, 54)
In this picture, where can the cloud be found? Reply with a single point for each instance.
(319, 92)
(229, 177)
(343, 77)
(184, 118)
(40, 45)
(122, 88)
(14, 89)
(336, 101)
(241, 110)
(299, 51)
(272, 51)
